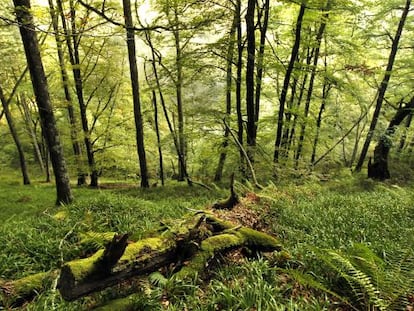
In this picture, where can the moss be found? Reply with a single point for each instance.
(142, 247)
(80, 268)
(26, 287)
(62, 215)
(96, 239)
(260, 240)
(121, 304)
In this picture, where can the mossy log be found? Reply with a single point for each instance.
(195, 240)
(15, 293)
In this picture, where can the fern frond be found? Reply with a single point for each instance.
(157, 279)
(359, 281)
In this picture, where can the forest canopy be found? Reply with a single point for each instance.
(197, 90)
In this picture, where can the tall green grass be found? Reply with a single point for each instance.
(310, 218)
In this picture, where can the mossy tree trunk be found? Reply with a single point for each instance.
(194, 241)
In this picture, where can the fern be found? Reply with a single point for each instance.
(361, 283)
(157, 279)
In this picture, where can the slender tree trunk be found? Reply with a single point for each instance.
(13, 131)
(288, 119)
(65, 83)
(404, 136)
(229, 76)
(250, 65)
(289, 70)
(135, 93)
(72, 42)
(178, 89)
(383, 86)
(325, 92)
(157, 132)
(292, 132)
(21, 101)
(319, 36)
(164, 107)
(378, 169)
(40, 87)
(242, 165)
(260, 61)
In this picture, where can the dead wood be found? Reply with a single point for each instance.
(231, 201)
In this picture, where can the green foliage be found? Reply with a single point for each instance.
(346, 240)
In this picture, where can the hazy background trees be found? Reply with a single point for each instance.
(292, 85)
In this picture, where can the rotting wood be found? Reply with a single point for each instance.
(195, 240)
(186, 247)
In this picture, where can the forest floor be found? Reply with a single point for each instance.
(348, 243)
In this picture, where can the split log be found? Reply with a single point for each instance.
(195, 240)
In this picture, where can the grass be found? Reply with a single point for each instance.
(311, 219)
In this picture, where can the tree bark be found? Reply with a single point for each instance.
(378, 168)
(40, 87)
(164, 107)
(13, 131)
(250, 66)
(319, 37)
(72, 42)
(229, 77)
(384, 85)
(157, 132)
(289, 70)
(260, 60)
(193, 242)
(65, 83)
(242, 166)
(135, 93)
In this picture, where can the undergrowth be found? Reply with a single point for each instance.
(347, 244)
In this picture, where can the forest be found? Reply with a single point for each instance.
(206, 155)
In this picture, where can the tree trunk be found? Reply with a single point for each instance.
(21, 101)
(65, 83)
(289, 70)
(378, 168)
(260, 60)
(319, 37)
(250, 65)
(13, 131)
(157, 132)
(383, 86)
(40, 87)
(229, 76)
(182, 168)
(72, 42)
(292, 131)
(135, 93)
(242, 166)
(164, 107)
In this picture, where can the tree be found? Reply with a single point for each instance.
(250, 66)
(135, 93)
(384, 84)
(72, 37)
(282, 100)
(68, 97)
(41, 91)
(319, 37)
(229, 79)
(13, 131)
(378, 168)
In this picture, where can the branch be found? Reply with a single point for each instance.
(245, 155)
(102, 14)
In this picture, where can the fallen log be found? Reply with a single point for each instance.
(194, 241)
(14, 293)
